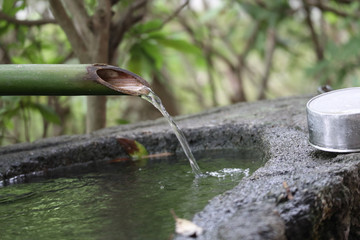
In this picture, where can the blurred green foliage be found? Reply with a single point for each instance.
(202, 54)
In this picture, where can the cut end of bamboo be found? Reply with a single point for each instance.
(120, 80)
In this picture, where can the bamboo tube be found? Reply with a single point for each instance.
(69, 79)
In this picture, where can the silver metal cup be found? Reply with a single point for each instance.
(334, 120)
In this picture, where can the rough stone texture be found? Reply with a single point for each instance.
(261, 222)
(322, 200)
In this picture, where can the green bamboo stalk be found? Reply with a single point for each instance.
(69, 79)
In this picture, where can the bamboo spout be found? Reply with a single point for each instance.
(69, 79)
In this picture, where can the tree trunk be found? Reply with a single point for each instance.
(99, 53)
(269, 53)
(89, 37)
(96, 113)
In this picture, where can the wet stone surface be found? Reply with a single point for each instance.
(300, 193)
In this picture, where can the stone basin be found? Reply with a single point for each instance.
(300, 193)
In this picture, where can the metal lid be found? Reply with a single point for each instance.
(334, 120)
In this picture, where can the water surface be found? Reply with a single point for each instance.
(121, 200)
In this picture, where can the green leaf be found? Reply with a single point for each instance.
(4, 27)
(122, 121)
(153, 25)
(332, 18)
(11, 106)
(11, 7)
(7, 6)
(152, 51)
(136, 62)
(46, 112)
(21, 34)
(33, 52)
(180, 45)
(11, 99)
(156, 35)
(133, 148)
(142, 152)
(8, 113)
(9, 124)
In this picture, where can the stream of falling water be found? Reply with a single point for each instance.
(156, 101)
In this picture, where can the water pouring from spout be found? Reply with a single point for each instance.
(156, 101)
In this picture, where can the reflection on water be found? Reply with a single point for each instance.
(118, 201)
